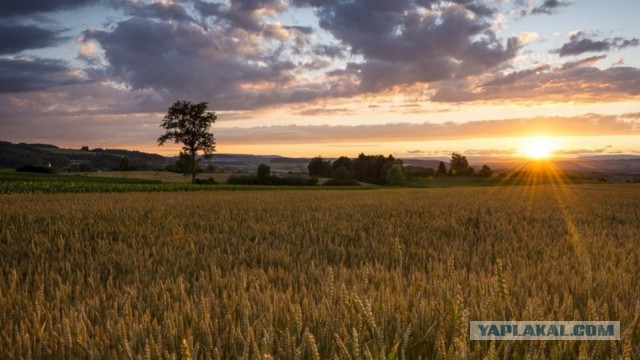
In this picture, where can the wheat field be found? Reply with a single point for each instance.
(378, 274)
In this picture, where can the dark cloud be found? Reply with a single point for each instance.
(307, 30)
(583, 62)
(579, 43)
(516, 76)
(576, 82)
(405, 42)
(243, 14)
(332, 51)
(186, 60)
(549, 7)
(157, 10)
(476, 7)
(18, 75)
(239, 60)
(207, 9)
(620, 43)
(10, 8)
(19, 37)
(230, 54)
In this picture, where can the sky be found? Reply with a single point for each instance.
(412, 78)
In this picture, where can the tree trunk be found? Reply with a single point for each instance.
(193, 166)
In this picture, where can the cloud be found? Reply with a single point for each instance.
(404, 42)
(237, 56)
(157, 10)
(326, 111)
(187, 60)
(579, 43)
(243, 14)
(602, 150)
(586, 125)
(19, 37)
(528, 36)
(590, 61)
(232, 56)
(331, 51)
(30, 74)
(516, 76)
(11, 8)
(490, 152)
(549, 7)
(574, 81)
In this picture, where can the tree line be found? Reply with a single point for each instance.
(373, 169)
(381, 170)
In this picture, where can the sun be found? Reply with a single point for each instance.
(539, 147)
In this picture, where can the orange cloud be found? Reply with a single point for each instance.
(586, 125)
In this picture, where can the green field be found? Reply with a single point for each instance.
(12, 182)
(316, 274)
(162, 176)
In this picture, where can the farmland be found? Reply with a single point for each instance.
(12, 182)
(316, 274)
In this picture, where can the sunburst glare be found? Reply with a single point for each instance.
(539, 147)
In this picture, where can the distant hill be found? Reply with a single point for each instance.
(15, 155)
(290, 160)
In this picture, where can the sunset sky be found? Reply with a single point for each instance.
(326, 77)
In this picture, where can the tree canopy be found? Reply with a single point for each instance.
(459, 166)
(263, 171)
(188, 124)
(319, 167)
(373, 169)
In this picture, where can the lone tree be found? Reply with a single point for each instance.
(459, 166)
(188, 124)
(263, 171)
(485, 171)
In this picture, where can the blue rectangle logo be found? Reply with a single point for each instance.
(544, 330)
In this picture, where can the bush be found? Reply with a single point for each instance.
(296, 180)
(35, 169)
(290, 180)
(485, 171)
(395, 175)
(243, 180)
(341, 173)
(208, 181)
(337, 182)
